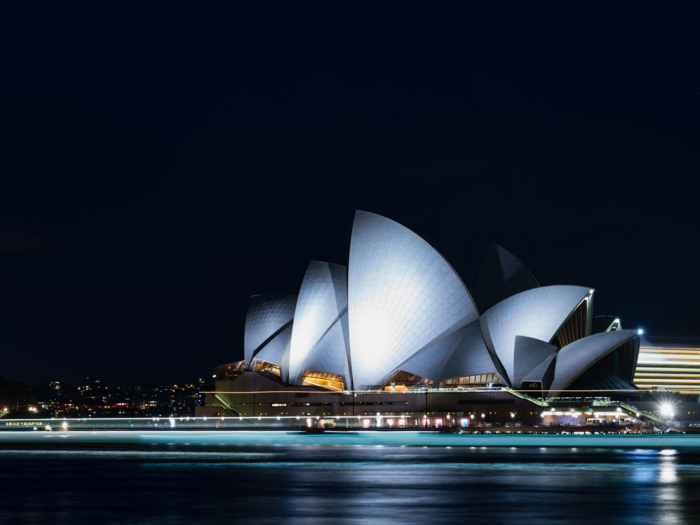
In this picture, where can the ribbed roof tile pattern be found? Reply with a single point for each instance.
(540, 373)
(537, 313)
(323, 297)
(402, 297)
(267, 313)
(529, 353)
(330, 354)
(429, 363)
(273, 352)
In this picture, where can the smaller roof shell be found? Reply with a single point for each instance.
(543, 373)
(273, 352)
(502, 275)
(323, 299)
(267, 315)
(537, 313)
(579, 356)
(529, 354)
(329, 355)
(470, 356)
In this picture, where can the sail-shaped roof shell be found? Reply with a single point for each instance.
(403, 296)
(577, 357)
(267, 315)
(323, 298)
(537, 313)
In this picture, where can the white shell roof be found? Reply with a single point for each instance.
(431, 361)
(470, 356)
(323, 298)
(402, 297)
(540, 372)
(273, 352)
(267, 314)
(576, 358)
(502, 275)
(529, 354)
(537, 313)
(331, 353)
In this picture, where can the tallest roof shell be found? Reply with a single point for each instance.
(402, 297)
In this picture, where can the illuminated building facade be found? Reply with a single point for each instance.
(400, 321)
(669, 363)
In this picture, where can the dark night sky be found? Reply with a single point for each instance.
(161, 164)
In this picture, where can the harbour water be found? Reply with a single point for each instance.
(169, 479)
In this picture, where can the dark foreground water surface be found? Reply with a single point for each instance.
(225, 483)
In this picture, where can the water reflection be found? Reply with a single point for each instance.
(669, 507)
(667, 474)
(322, 484)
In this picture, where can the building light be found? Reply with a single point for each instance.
(666, 410)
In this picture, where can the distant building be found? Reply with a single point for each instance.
(95, 399)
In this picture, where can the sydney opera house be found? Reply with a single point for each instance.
(397, 337)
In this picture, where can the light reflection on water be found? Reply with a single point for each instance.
(322, 484)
